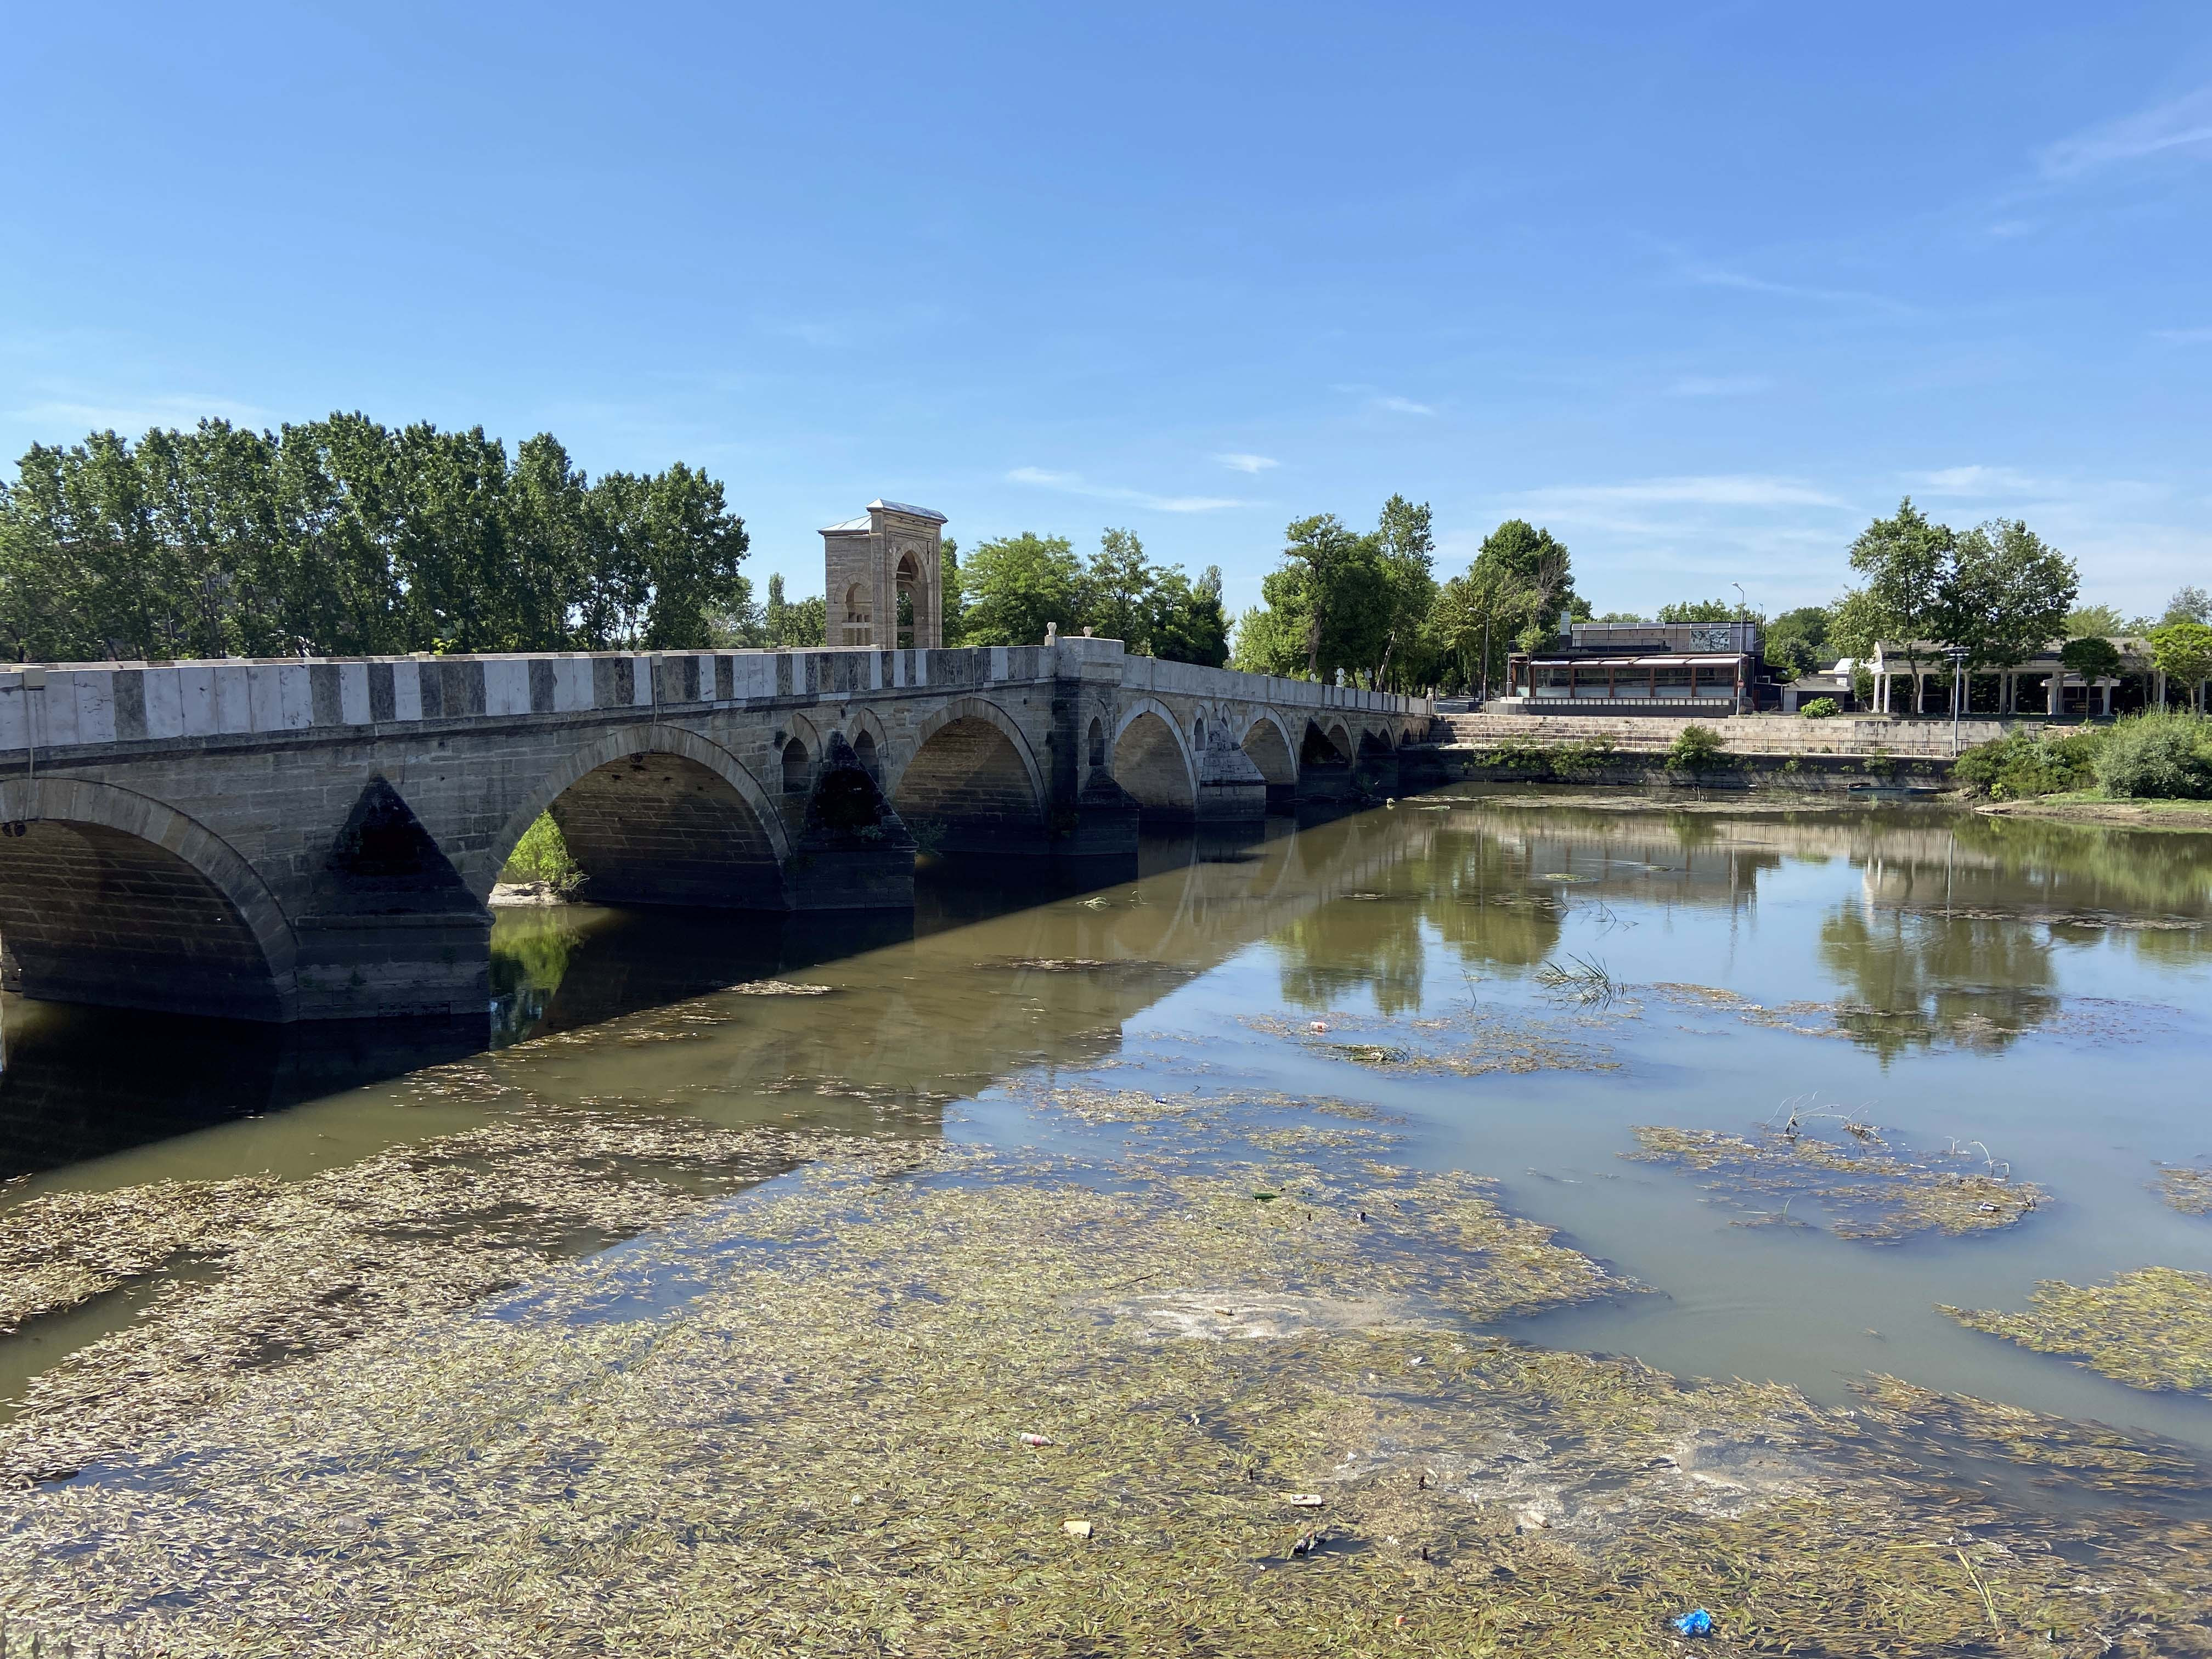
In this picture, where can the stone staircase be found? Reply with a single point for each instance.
(1754, 734)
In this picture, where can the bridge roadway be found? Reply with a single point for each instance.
(317, 839)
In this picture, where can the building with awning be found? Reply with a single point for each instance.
(1642, 667)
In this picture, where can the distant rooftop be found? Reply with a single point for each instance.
(863, 523)
(911, 512)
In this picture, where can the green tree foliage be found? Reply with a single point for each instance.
(1014, 587)
(952, 613)
(2183, 653)
(1796, 641)
(1331, 580)
(1187, 621)
(1904, 561)
(2030, 763)
(784, 625)
(2005, 593)
(2156, 756)
(2096, 621)
(1697, 611)
(1406, 548)
(2093, 657)
(1519, 585)
(352, 538)
(2190, 603)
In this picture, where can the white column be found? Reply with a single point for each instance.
(2106, 688)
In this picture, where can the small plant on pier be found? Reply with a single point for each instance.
(1695, 749)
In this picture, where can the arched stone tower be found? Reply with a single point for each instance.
(885, 578)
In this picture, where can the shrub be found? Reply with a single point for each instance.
(2153, 756)
(1696, 749)
(542, 855)
(2023, 764)
(1582, 758)
(1821, 708)
(1523, 754)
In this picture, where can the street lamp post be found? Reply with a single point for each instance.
(1958, 655)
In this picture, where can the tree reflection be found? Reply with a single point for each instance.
(1917, 981)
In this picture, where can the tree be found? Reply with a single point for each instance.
(1524, 579)
(2092, 656)
(351, 538)
(1327, 578)
(1186, 623)
(2005, 593)
(1115, 597)
(1697, 611)
(1016, 586)
(2183, 652)
(1269, 642)
(1405, 549)
(952, 618)
(2095, 621)
(1906, 560)
(2190, 603)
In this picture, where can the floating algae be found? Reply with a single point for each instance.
(1867, 1189)
(2152, 1327)
(1478, 1042)
(2187, 1187)
(869, 1431)
(255, 1272)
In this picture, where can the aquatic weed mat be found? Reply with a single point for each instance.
(1471, 1044)
(942, 1416)
(2151, 1328)
(2186, 1187)
(257, 1272)
(1862, 1187)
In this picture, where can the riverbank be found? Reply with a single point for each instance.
(2093, 806)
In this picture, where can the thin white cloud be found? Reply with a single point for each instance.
(1719, 386)
(1074, 483)
(2183, 127)
(1386, 401)
(1715, 489)
(1248, 463)
(1706, 274)
(71, 417)
(1975, 482)
(2184, 336)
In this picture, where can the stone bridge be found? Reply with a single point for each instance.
(317, 839)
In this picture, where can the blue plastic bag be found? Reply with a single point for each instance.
(1696, 1622)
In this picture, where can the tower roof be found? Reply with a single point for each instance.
(910, 512)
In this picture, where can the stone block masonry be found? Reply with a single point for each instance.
(317, 839)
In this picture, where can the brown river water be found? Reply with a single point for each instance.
(2027, 997)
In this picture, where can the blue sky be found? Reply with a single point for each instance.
(1700, 289)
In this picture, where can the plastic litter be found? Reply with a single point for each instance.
(1035, 1440)
(1305, 1500)
(1076, 1528)
(1696, 1622)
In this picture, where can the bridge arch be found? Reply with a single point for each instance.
(1268, 741)
(658, 815)
(971, 783)
(1152, 762)
(108, 896)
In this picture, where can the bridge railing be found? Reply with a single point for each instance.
(66, 705)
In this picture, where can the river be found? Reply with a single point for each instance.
(1516, 980)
